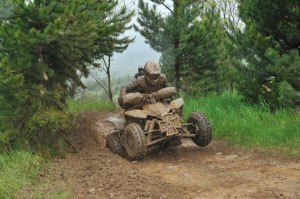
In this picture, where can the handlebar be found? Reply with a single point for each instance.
(135, 98)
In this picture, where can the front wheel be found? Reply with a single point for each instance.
(201, 128)
(135, 141)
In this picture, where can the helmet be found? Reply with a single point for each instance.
(140, 68)
(152, 72)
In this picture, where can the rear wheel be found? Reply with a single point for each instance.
(201, 128)
(135, 141)
(113, 142)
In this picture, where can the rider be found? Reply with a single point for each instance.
(148, 84)
(140, 72)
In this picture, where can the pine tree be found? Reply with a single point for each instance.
(44, 44)
(189, 37)
(204, 55)
(271, 46)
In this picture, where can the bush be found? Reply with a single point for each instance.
(287, 95)
(33, 116)
(48, 127)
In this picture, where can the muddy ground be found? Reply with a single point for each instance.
(216, 171)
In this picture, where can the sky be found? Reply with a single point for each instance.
(137, 53)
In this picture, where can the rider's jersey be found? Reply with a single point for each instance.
(140, 85)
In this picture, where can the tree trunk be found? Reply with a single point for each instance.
(110, 95)
(73, 88)
(177, 76)
(177, 66)
(230, 85)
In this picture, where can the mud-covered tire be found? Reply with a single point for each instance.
(113, 142)
(135, 141)
(180, 111)
(204, 132)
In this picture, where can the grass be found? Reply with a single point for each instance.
(231, 119)
(76, 106)
(17, 169)
(248, 125)
(20, 168)
(60, 194)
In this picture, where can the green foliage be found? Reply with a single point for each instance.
(276, 18)
(210, 46)
(17, 169)
(76, 106)
(205, 55)
(270, 47)
(28, 119)
(190, 39)
(47, 126)
(45, 45)
(254, 126)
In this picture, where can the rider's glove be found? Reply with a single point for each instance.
(146, 98)
(155, 96)
(150, 98)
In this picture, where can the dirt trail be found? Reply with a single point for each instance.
(187, 171)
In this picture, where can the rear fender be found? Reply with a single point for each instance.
(118, 123)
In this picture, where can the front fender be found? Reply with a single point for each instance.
(137, 113)
(177, 103)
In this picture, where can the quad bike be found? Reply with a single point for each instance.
(157, 124)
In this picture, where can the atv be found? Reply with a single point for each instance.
(157, 124)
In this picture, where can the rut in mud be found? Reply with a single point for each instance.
(187, 171)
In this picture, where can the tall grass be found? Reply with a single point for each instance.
(76, 106)
(248, 125)
(17, 169)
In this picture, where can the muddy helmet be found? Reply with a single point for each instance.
(140, 68)
(152, 72)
